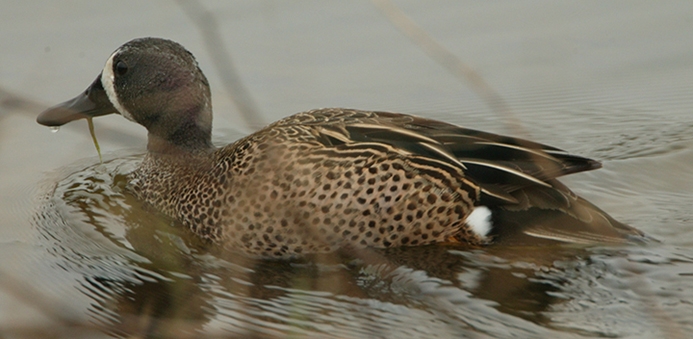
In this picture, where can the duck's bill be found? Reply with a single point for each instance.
(91, 103)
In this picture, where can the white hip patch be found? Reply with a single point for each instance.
(479, 221)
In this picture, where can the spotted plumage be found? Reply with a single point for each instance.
(330, 178)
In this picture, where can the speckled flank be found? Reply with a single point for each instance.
(282, 191)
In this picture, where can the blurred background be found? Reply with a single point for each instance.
(607, 80)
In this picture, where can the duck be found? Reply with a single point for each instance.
(333, 178)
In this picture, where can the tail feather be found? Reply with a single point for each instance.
(551, 215)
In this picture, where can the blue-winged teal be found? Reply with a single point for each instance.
(328, 178)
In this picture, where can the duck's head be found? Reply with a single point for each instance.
(155, 83)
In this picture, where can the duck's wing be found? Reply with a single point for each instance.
(499, 164)
(517, 177)
(488, 156)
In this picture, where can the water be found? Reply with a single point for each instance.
(82, 258)
(136, 264)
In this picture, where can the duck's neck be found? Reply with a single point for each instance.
(190, 134)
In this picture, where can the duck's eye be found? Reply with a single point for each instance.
(121, 67)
